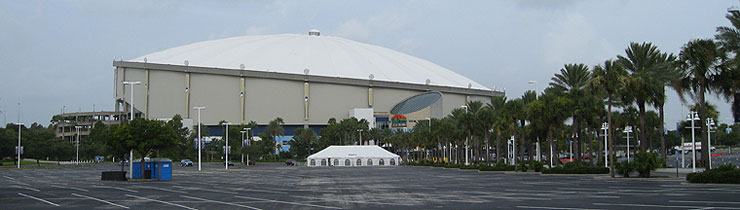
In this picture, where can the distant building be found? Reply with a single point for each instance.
(304, 79)
(64, 124)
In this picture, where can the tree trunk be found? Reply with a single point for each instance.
(599, 155)
(642, 134)
(662, 130)
(488, 149)
(521, 142)
(577, 140)
(702, 122)
(553, 150)
(498, 147)
(609, 137)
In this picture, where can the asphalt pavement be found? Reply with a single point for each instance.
(276, 186)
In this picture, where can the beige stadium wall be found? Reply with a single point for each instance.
(267, 99)
(131, 74)
(386, 98)
(166, 94)
(334, 101)
(219, 94)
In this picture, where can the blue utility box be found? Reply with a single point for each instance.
(152, 169)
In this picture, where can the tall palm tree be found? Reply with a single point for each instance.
(552, 110)
(701, 62)
(729, 39)
(500, 122)
(642, 61)
(667, 73)
(528, 97)
(608, 79)
(572, 80)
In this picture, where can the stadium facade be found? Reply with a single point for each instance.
(304, 79)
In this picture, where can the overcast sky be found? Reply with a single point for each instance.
(56, 54)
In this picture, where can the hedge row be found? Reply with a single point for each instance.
(727, 174)
(576, 170)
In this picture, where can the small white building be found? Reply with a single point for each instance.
(339, 156)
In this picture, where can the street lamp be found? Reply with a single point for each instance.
(710, 124)
(466, 139)
(628, 130)
(693, 116)
(226, 148)
(249, 142)
(131, 152)
(242, 132)
(200, 140)
(77, 144)
(605, 127)
(19, 149)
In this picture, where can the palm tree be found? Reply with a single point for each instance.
(642, 61)
(552, 109)
(275, 129)
(701, 62)
(572, 80)
(729, 39)
(668, 75)
(609, 79)
(500, 122)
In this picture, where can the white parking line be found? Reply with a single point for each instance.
(26, 188)
(117, 188)
(38, 199)
(288, 202)
(552, 207)
(221, 202)
(165, 202)
(101, 200)
(722, 202)
(7, 177)
(162, 189)
(70, 188)
(661, 206)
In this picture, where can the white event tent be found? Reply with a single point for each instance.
(371, 155)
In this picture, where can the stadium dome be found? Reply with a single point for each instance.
(321, 55)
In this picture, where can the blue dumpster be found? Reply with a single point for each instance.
(152, 169)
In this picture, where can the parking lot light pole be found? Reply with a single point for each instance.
(200, 141)
(628, 130)
(605, 127)
(693, 116)
(242, 132)
(467, 162)
(249, 142)
(710, 124)
(226, 148)
(20, 124)
(131, 152)
(77, 145)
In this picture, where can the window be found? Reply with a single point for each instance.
(359, 162)
(381, 162)
(313, 162)
(369, 162)
(346, 162)
(393, 162)
(336, 162)
(323, 162)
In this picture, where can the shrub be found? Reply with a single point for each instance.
(452, 165)
(497, 167)
(471, 166)
(522, 166)
(576, 168)
(537, 166)
(726, 174)
(645, 162)
(624, 168)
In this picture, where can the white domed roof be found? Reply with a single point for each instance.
(322, 55)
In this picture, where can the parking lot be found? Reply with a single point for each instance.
(276, 186)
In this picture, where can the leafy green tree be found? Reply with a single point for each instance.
(645, 63)
(146, 136)
(729, 39)
(609, 79)
(302, 142)
(572, 80)
(701, 62)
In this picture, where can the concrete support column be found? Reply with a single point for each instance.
(187, 95)
(370, 97)
(146, 94)
(305, 103)
(241, 97)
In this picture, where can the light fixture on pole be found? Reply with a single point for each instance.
(628, 130)
(200, 140)
(226, 148)
(131, 152)
(605, 127)
(242, 132)
(466, 139)
(77, 145)
(19, 149)
(710, 124)
(693, 116)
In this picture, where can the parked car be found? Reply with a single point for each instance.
(289, 162)
(186, 162)
(252, 162)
